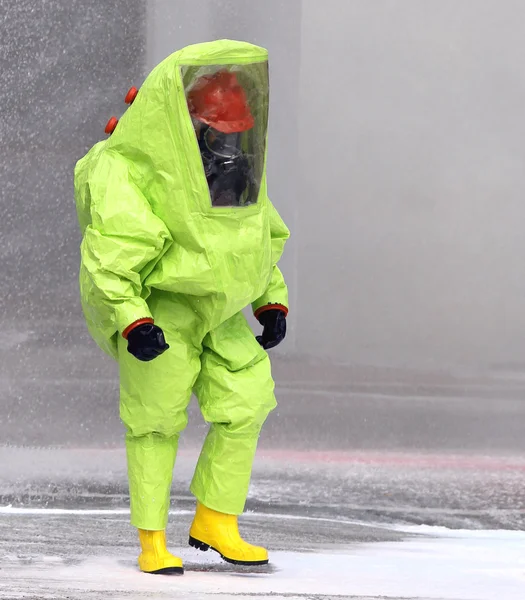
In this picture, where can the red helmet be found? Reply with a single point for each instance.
(219, 101)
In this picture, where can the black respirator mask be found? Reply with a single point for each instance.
(226, 166)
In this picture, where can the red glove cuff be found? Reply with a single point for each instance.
(266, 307)
(128, 329)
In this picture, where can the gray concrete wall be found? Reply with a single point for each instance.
(410, 227)
(65, 67)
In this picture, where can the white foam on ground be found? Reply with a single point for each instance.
(450, 565)
(12, 510)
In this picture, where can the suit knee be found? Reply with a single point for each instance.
(250, 417)
(165, 423)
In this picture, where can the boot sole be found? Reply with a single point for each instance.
(205, 547)
(166, 571)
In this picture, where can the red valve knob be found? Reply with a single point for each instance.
(131, 95)
(111, 124)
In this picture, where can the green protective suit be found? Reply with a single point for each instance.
(154, 246)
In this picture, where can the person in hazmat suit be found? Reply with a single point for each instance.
(179, 236)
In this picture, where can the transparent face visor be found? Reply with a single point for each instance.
(228, 105)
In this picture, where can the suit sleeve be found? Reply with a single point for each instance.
(121, 246)
(276, 294)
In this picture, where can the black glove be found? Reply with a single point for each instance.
(146, 342)
(274, 324)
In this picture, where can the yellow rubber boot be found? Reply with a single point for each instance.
(218, 531)
(154, 557)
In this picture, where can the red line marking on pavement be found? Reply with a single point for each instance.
(395, 459)
(373, 458)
